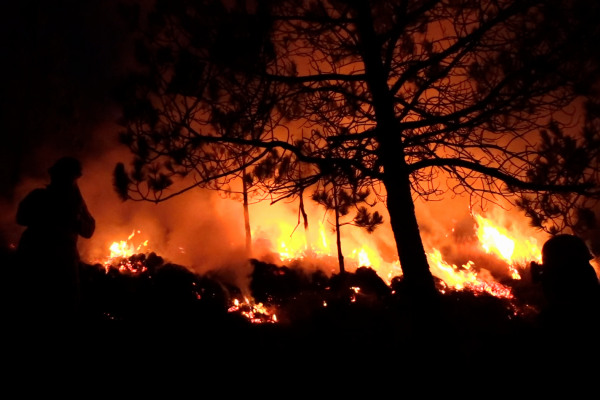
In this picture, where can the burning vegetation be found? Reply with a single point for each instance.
(303, 282)
(295, 302)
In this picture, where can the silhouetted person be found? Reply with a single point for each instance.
(569, 282)
(54, 217)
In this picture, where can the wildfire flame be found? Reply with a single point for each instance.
(465, 278)
(120, 252)
(295, 247)
(511, 247)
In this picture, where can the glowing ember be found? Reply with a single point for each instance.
(255, 313)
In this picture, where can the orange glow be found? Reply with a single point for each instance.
(464, 278)
(291, 242)
(295, 246)
(510, 246)
(366, 257)
(596, 266)
(255, 313)
(322, 233)
(121, 249)
(120, 252)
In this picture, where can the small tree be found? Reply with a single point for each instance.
(334, 198)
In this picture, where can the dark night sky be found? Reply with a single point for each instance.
(60, 60)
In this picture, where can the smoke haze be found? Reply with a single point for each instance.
(65, 57)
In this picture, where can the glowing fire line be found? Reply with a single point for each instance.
(119, 257)
(514, 249)
(494, 239)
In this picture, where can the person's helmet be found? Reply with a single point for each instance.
(565, 248)
(66, 168)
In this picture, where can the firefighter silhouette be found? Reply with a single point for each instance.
(54, 216)
(569, 282)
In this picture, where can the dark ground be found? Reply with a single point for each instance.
(169, 319)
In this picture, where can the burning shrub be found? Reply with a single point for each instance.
(279, 285)
(150, 289)
(299, 295)
(294, 292)
(178, 288)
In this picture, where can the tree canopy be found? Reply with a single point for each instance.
(407, 98)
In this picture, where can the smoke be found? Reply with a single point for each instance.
(65, 57)
(198, 229)
(62, 58)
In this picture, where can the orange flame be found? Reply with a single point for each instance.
(492, 238)
(464, 278)
(509, 245)
(512, 247)
(119, 253)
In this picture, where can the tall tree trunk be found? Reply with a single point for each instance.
(418, 278)
(337, 231)
(419, 287)
(406, 233)
(246, 215)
